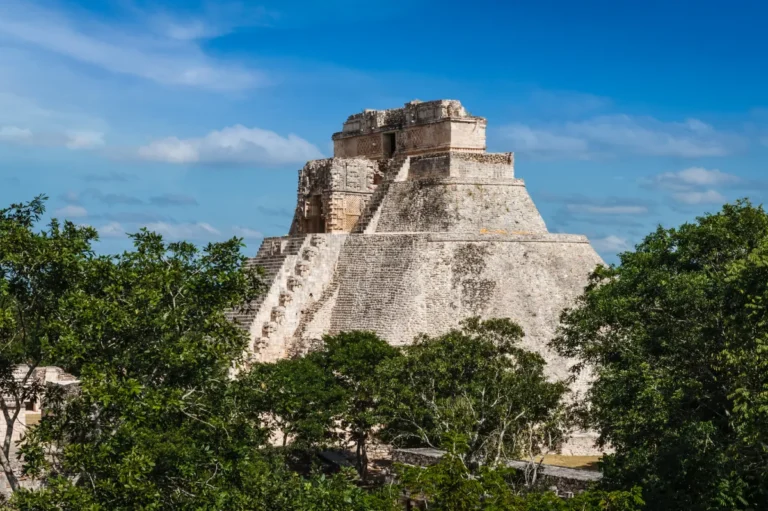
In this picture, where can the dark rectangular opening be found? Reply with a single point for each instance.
(389, 144)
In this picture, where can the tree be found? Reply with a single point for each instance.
(154, 424)
(449, 485)
(40, 273)
(474, 392)
(677, 335)
(353, 358)
(296, 397)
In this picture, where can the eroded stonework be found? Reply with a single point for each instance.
(410, 228)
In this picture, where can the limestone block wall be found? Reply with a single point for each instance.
(425, 138)
(459, 205)
(401, 285)
(462, 164)
(468, 135)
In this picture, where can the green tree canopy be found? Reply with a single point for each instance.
(152, 424)
(449, 485)
(474, 392)
(677, 335)
(41, 273)
(353, 359)
(294, 397)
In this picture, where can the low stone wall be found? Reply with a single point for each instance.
(565, 481)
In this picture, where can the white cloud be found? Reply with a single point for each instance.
(612, 244)
(72, 211)
(191, 30)
(111, 230)
(84, 139)
(693, 177)
(607, 209)
(246, 233)
(529, 140)
(695, 185)
(70, 196)
(217, 19)
(232, 145)
(608, 134)
(695, 197)
(188, 231)
(14, 134)
(172, 58)
(23, 121)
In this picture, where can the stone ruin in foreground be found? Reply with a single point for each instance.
(409, 228)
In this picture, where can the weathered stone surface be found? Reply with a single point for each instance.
(471, 206)
(412, 238)
(400, 285)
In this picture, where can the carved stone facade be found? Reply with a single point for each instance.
(410, 228)
(333, 193)
(417, 128)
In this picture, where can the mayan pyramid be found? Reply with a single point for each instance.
(409, 228)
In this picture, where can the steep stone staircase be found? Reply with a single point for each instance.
(271, 256)
(395, 167)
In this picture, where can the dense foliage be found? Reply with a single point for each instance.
(40, 274)
(450, 486)
(474, 392)
(678, 336)
(353, 359)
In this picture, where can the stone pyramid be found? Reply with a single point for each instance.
(411, 227)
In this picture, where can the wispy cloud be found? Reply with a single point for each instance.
(133, 217)
(611, 244)
(607, 209)
(612, 134)
(270, 211)
(14, 134)
(600, 205)
(690, 178)
(185, 231)
(111, 199)
(24, 122)
(232, 145)
(170, 199)
(215, 20)
(108, 177)
(175, 231)
(71, 211)
(111, 230)
(697, 185)
(694, 198)
(247, 233)
(627, 212)
(114, 199)
(171, 56)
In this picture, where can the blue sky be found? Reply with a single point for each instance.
(193, 118)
